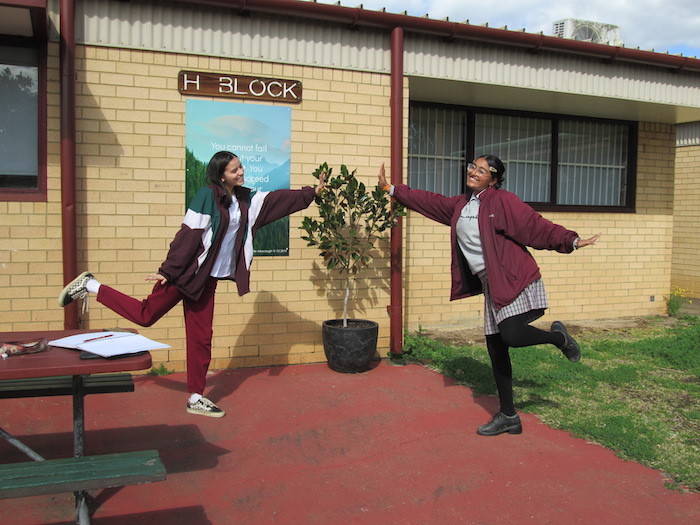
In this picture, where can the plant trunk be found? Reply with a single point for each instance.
(346, 300)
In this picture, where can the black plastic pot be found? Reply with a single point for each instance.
(350, 349)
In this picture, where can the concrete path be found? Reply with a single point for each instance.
(306, 445)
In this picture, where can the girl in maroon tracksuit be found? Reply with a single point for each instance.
(215, 242)
(490, 230)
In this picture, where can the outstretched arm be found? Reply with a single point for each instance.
(432, 205)
(586, 242)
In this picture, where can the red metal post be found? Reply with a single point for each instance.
(396, 280)
(68, 193)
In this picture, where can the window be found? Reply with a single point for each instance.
(20, 129)
(593, 163)
(436, 158)
(552, 161)
(524, 145)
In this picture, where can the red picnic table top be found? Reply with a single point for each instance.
(62, 361)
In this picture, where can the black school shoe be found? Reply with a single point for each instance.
(570, 347)
(501, 423)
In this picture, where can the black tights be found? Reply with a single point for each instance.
(513, 332)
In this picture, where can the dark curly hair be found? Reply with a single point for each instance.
(497, 168)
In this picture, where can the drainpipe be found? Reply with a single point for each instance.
(396, 104)
(68, 193)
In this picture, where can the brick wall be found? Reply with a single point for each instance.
(685, 270)
(130, 194)
(130, 170)
(30, 256)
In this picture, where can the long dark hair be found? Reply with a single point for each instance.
(215, 169)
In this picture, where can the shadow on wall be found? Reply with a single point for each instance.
(272, 330)
(370, 286)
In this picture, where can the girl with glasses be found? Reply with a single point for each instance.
(491, 229)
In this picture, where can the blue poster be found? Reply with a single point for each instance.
(260, 136)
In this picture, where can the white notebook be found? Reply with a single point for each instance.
(109, 344)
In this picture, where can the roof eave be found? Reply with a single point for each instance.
(355, 17)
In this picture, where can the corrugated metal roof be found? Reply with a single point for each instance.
(507, 66)
(213, 31)
(180, 28)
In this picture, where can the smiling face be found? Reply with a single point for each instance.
(479, 175)
(233, 175)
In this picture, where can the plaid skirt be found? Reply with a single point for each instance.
(532, 300)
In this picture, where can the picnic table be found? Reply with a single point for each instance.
(61, 371)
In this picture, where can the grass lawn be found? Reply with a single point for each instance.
(635, 391)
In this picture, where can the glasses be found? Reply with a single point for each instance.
(481, 171)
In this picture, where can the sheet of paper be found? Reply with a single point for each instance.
(72, 341)
(109, 344)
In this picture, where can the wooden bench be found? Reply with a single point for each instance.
(79, 474)
(63, 385)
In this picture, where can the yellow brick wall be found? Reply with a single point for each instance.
(30, 256)
(130, 194)
(685, 270)
(626, 274)
(656, 154)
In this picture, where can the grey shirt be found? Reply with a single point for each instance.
(468, 236)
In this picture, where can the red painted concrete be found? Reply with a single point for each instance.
(306, 445)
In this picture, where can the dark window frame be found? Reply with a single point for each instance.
(38, 194)
(555, 119)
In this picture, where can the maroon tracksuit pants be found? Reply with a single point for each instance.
(199, 318)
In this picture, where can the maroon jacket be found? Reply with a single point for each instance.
(196, 245)
(506, 225)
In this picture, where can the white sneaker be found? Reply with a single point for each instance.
(204, 407)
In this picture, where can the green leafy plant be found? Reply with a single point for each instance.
(160, 370)
(351, 221)
(675, 301)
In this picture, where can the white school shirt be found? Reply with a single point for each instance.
(225, 263)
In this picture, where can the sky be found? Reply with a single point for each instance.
(661, 25)
(213, 125)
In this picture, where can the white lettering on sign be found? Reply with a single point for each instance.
(237, 91)
(186, 81)
(225, 85)
(216, 84)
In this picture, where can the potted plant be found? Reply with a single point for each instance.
(351, 221)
